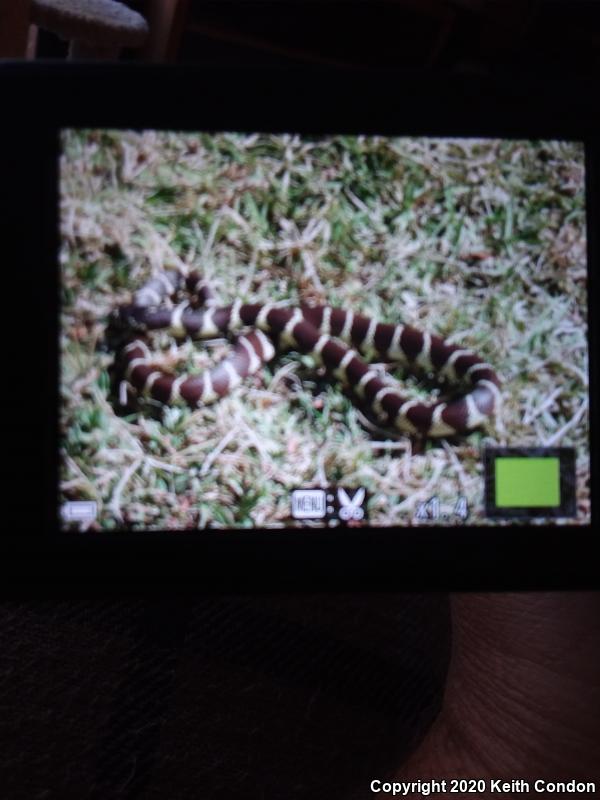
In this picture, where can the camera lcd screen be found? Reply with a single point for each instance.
(266, 331)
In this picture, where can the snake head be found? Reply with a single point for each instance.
(124, 323)
(128, 318)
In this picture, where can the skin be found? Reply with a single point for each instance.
(523, 692)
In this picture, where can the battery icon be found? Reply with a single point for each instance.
(83, 511)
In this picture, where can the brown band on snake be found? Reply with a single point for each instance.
(329, 334)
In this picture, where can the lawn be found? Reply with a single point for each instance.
(480, 241)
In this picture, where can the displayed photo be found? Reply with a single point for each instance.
(270, 331)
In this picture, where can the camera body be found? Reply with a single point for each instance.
(317, 329)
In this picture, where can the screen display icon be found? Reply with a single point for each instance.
(523, 482)
(338, 504)
(82, 511)
(350, 507)
(530, 482)
(309, 503)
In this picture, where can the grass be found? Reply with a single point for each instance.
(480, 241)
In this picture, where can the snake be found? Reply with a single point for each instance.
(345, 343)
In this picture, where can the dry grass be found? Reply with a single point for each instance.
(482, 242)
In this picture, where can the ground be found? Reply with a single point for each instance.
(480, 241)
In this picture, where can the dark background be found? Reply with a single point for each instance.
(549, 38)
(258, 697)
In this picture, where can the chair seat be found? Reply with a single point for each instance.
(100, 22)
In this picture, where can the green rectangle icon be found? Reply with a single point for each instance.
(527, 482)
(524, 483)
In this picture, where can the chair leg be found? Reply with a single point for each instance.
(32, 42)
(167, 20)
(14, 26)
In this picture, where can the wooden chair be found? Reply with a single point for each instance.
(95, 29)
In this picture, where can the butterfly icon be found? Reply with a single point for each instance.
(351, 508)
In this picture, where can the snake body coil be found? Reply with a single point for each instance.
(341, 341)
